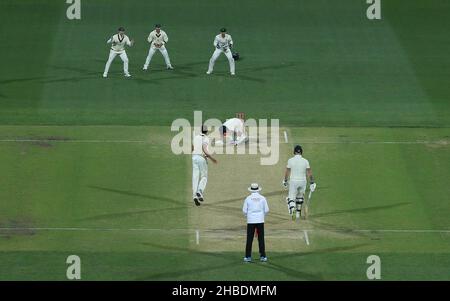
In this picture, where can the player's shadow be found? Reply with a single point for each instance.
(231, 260)
(20, 80)
(360, 210)
(139, 195)
(136, 194)
(278, 192)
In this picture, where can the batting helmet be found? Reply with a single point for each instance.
(298, 149)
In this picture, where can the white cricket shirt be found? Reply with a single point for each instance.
(255, 208)
(234, 125)
(157, 38)
(198, 142)
(223, 42)
(298, 166)
(118, 43)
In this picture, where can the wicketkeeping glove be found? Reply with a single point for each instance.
(312, 186)
(218, 46)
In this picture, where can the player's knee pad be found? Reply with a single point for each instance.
(299, 200)
(291, 203)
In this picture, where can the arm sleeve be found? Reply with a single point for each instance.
(149, 39)
(307, 164)
(288, 164)
(109, 41)
(216, 41)
(244, 209)
(230, 42)
(266, 207)
(166, 38)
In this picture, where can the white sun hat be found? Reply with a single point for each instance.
(254, 187)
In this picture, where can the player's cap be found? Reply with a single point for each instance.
(298, 149)
(223, 29)
(121, 29)
(254, 187)
(158, 25)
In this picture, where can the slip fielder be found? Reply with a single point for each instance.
(223, 44)
(297, 170)
(158, 39)
(200, 154)
(118, 42)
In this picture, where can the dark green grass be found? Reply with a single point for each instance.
(305, 62)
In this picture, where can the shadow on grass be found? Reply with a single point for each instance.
(234, 261)
(139, 195)
(360, 210)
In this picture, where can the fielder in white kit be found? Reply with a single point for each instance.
(223, 44)
(297, 170)
(158, 39)
(118, 42)
(200, 153)
(235, 129)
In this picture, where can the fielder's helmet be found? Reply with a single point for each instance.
(121, 29)
(298, 149)
(158, 25)
(236, 55)
(223, 29)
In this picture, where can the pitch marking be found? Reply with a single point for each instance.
(306, 237)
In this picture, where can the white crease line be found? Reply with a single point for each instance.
(197, 237)
(306, 237)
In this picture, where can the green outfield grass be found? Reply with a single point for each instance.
(86, 166)
(115, 196)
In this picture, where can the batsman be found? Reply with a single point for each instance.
(297, 170)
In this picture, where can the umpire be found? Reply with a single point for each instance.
(255, 208)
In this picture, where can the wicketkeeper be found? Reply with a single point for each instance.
(158, 40)
(297, 170)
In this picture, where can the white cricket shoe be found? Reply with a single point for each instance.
(232, 73)
(128, 75)
(144, 68)
(169, 68)
(208, 72)
(105, 75)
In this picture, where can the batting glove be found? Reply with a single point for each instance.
(312, 187)
(285, 183)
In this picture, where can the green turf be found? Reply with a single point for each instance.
(116, 197)
(306, 62)
(368, 100)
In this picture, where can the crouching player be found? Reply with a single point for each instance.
(233, 129)
(297, 170)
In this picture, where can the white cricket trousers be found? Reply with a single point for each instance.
(199, 174)
(216, 54)
(297, 189)
(112, 56)
(152, 51)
